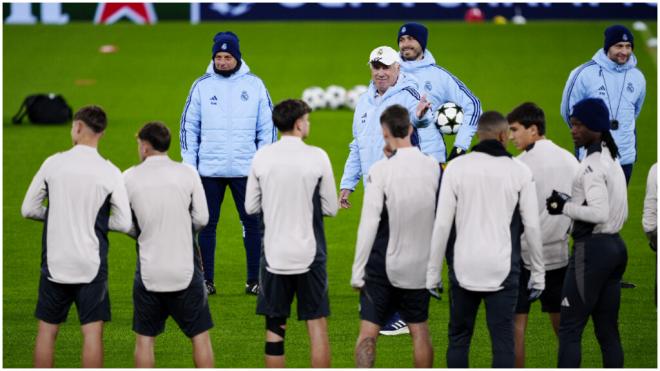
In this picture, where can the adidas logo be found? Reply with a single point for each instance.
(564, 303)
(602, 88)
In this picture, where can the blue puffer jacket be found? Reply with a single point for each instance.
(367, 145)
(224, 122)
(621, 87)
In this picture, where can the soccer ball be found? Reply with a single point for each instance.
(353, 96)
(314, 97)
(450, 118)
(335, 96)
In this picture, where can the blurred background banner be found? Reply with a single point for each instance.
(150, 13)
(440, 11)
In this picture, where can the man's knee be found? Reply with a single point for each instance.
(142, 341)
(606, 332)
(92, 329)
(460, 334)
(275, 325)
(48, 329)
(419, 331)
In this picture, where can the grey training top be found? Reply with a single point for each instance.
(86, 198)
(169, 203)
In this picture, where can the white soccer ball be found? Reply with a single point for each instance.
(518, 19)
(314, 97)
(640, 26)
(450, 118)
(353, 96)
(335, 96)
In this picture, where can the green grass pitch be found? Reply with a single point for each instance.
(149, 78)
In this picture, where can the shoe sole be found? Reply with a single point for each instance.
(401, 331)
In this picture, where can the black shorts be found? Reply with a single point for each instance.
(188, 307)
(55, 299)
(551, 296)
(379, 301)
(311, 289)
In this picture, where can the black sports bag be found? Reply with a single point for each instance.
(44, 109)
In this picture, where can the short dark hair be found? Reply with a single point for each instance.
(287, 112)
(397, 120)
(528, 114)
(93, 116)
(491, 121)
(156, 134)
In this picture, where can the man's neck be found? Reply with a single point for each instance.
(292, 133)
(398, 143)
(536, 139)
(154, 153)
(89, 142)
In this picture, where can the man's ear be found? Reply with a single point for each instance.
(504, 137)
(535, 129)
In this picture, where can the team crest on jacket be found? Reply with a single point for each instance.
(244, 96)
(630, 87)
(428, 86)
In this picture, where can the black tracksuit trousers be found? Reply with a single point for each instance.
(463, 307)
(592, 288)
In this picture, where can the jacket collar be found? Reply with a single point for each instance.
(594, 147)
(603, 61)
(409, 66)
(402, 82)
(491, 147)
(241, 71)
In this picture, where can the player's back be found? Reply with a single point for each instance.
(160, 192)
(487, 190)
(409, 180)
(289, 173)
(79, 183)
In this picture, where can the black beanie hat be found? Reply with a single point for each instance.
(416, 30)
(226, 42)
(616, 34)
(593, 113)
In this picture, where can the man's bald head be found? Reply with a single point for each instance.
(492, 125)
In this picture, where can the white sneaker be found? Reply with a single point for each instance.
(395, 328)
